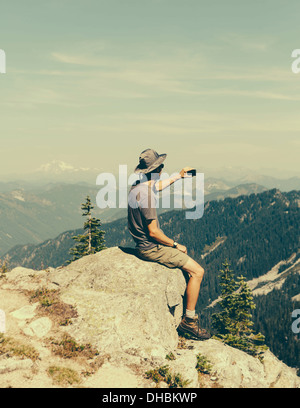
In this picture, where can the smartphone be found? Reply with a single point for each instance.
(192, 172)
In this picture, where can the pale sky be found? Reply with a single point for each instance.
(95, 82)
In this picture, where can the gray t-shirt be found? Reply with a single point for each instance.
(142, 208)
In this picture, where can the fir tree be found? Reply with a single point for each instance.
(223, 320)
(233, 323)
(93, 238)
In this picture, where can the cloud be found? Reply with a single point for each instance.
(247, 43)
(243, 93)
(95, 71)
(178, 71)
(83, 60)
(186, 126)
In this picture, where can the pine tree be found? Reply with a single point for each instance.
(92, 240)
(223, 320)
(233, 324)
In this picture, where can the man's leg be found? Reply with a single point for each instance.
(196, 273)
(190, 324)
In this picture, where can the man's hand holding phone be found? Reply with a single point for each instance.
(187, 172)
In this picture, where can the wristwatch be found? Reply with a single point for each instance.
(175, 244)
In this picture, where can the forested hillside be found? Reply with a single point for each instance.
(272, 317)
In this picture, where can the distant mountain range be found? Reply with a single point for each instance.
(58, 171)
(55, 171)
(253, 214)
(48, 201)
(34, 213)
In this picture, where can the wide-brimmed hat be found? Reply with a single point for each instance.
(149, 160)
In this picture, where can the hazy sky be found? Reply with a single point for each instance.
(95, 82)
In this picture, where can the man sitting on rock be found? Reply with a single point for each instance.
(152, 244)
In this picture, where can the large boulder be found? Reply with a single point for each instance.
(124, 304)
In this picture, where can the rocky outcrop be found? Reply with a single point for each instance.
(124, 304)
(128, 310)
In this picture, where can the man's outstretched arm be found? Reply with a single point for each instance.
(162, 184)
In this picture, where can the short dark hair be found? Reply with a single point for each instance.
(157, 170)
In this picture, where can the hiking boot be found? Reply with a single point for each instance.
(192, 328)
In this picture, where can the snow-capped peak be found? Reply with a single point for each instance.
(58, 167)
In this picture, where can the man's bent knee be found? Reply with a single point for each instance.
(194, 269)
(199, 273)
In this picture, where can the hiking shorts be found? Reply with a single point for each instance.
(168, 256)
